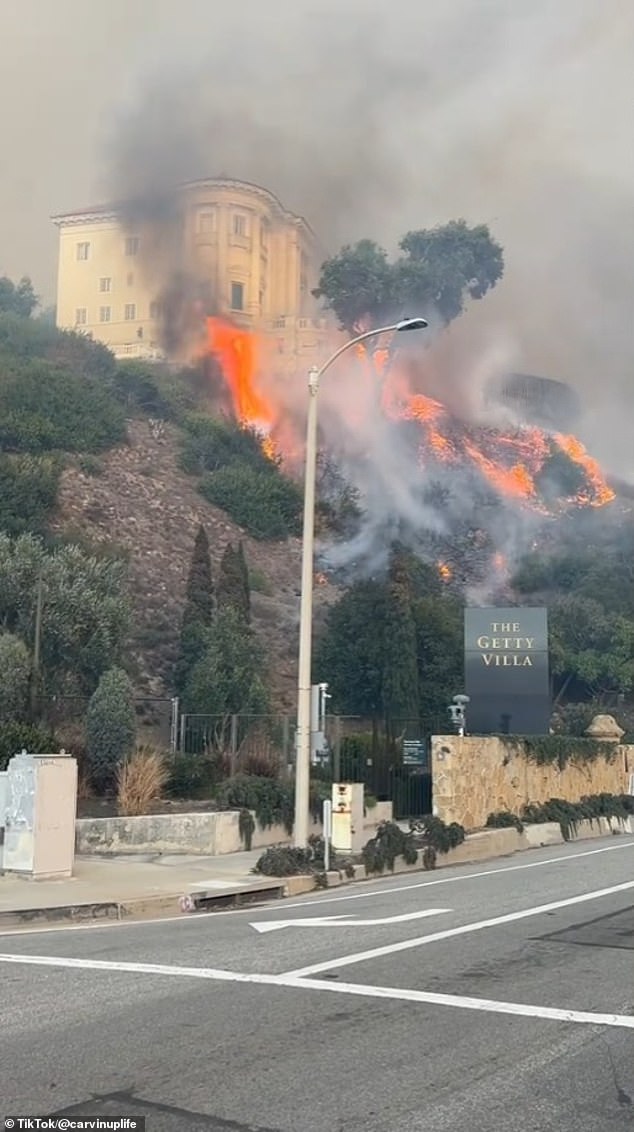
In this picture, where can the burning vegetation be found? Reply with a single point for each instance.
(479, 488)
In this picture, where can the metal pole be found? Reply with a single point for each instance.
(327, 822)
(302, 756)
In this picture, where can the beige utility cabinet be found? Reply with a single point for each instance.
(347, 817)
(39, 818)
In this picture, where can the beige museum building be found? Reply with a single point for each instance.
(259, 261)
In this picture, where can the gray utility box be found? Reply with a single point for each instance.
(39, 815)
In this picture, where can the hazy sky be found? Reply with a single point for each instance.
(369, 118)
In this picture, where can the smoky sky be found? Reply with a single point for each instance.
(369, 119)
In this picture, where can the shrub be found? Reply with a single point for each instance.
(15, 672)
(569, 814)
(18, 737)
(389, 842)
(44, 408)
(434, 832)
(28, 491)
(110, 727)
(285, 861)
(141, 780)
(91, 466)
(28, 339)
(154, 390)
(502, 819)
(193, 776)
(272, 801)
(209, 445)
(265, 503)
(258, 582)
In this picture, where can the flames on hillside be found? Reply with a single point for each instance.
(514, 464)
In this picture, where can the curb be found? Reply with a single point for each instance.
(484, 846)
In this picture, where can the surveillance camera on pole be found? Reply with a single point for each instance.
(457, 711)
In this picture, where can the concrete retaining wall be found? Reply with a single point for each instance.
(208, 834)
(475, 776)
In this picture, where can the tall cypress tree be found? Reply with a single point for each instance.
(400, 671)
(233, 582)
(198, 611)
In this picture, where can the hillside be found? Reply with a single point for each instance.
(136, 499)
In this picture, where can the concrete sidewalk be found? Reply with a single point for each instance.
(127, 886)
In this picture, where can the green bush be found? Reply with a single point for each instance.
(27, 339)
(272, 801)
(154, 390)
(434, 832)
(209, 445)
(15, 674)
(264, 503)
(18, 737)
(569, 814)
(389, 842)
(110, 727)
(504, 820)
(45, 408)
(192, 776)
(285, 861)
(28, 491)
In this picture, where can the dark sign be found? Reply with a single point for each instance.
(507, 674)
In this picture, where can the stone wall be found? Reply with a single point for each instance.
(474, 776)
(210, 834)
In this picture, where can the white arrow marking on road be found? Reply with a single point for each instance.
(345, 921)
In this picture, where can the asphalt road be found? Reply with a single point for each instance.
(494, 996)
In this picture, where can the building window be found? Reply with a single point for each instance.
(239, 224)
(264, 234)
(206, 220)
(132, 245)
(155, 310)
(83, 250)
(237, 296)
(280, 324)
(104, 314)
(130, 312)
(130, 279)
(80, 316)
(105, 284)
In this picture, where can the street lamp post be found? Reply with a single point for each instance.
(302, 754)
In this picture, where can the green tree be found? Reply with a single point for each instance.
(350, 654)
(400, 661)
(15, 673)
(227, 679)
(198, 610)
(440, 268)
(85, 610)
(440, 646)
(591, 649)
(44, 407)
(28, 491)
(110, 727)
(233, 582)
(17, 298)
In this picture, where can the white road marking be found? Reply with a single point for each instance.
(345, 921)
(449, 933)
(287, 982)
(301, 902)
(464, 1002)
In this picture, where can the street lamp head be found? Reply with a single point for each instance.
(412, 324)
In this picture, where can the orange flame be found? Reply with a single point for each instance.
(510, 463)
(236, 350)
(601, 492)
(445, 571)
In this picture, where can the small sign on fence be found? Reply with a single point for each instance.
(414, 752)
